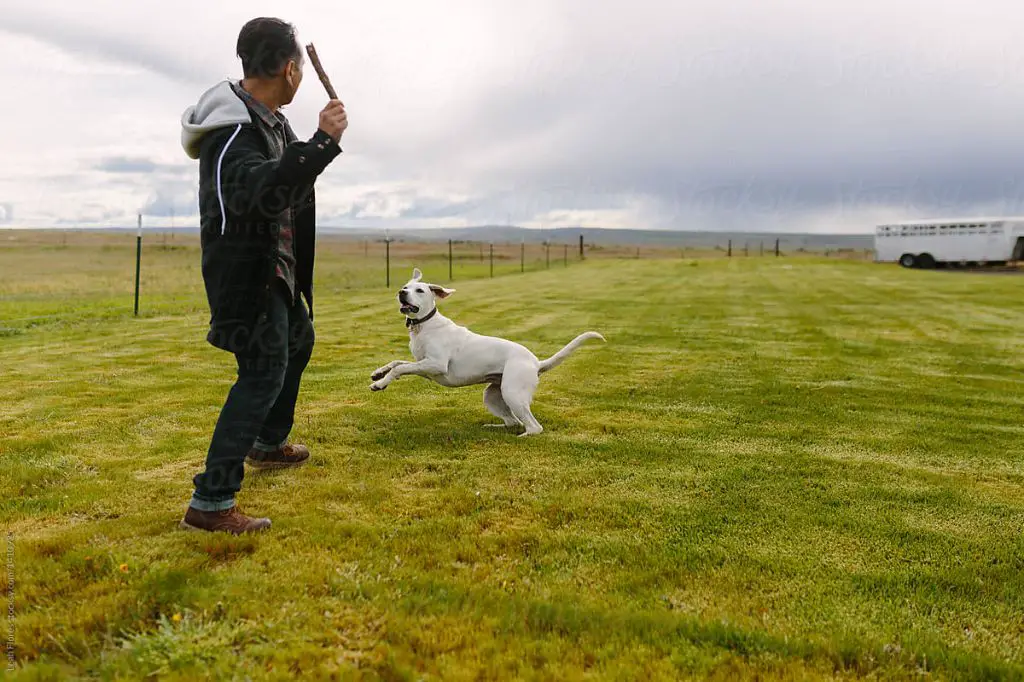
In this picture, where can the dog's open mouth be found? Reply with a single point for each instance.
(407, 307)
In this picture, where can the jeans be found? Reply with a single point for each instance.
(260, 407)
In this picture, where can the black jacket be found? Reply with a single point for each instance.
(242, 190)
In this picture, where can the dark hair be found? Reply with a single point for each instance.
(265, 45)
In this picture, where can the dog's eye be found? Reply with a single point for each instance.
(420, 290)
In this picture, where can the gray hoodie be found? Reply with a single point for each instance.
(218, 107)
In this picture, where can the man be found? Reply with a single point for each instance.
(257, 221)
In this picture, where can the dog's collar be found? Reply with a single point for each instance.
(409, 322)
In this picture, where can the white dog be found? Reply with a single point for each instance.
(454, 356)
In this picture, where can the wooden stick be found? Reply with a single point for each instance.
(315, 61)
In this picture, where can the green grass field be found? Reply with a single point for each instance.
(775, 469)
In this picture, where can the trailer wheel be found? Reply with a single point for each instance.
(907, 260)
(926, 261)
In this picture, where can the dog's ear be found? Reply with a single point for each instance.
(416, 275)
(440, 291)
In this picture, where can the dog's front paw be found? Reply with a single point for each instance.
(379, 374)
(378, 386)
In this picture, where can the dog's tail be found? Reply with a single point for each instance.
(557, 359)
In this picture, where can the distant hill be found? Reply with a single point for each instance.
(610, 237)
(591, 236)
(604, 236)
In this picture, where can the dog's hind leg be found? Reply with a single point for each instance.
(496, 405)
(518, 382)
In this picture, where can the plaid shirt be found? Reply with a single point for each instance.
(279, 130)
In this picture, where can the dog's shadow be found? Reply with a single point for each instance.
(454, 433)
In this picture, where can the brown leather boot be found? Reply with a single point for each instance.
(284, 457)
(226, 521)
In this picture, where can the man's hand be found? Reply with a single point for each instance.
(333, 119)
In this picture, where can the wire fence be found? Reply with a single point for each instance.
(62, 275)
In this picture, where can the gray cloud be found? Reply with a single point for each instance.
(178, 200)
(759, 115)
(127, 164)
(763, 126)
(98, 40)
(95, 214)
(406, 203)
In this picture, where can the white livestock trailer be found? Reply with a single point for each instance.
(930, 243)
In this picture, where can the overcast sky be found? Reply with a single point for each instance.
(794, 115)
